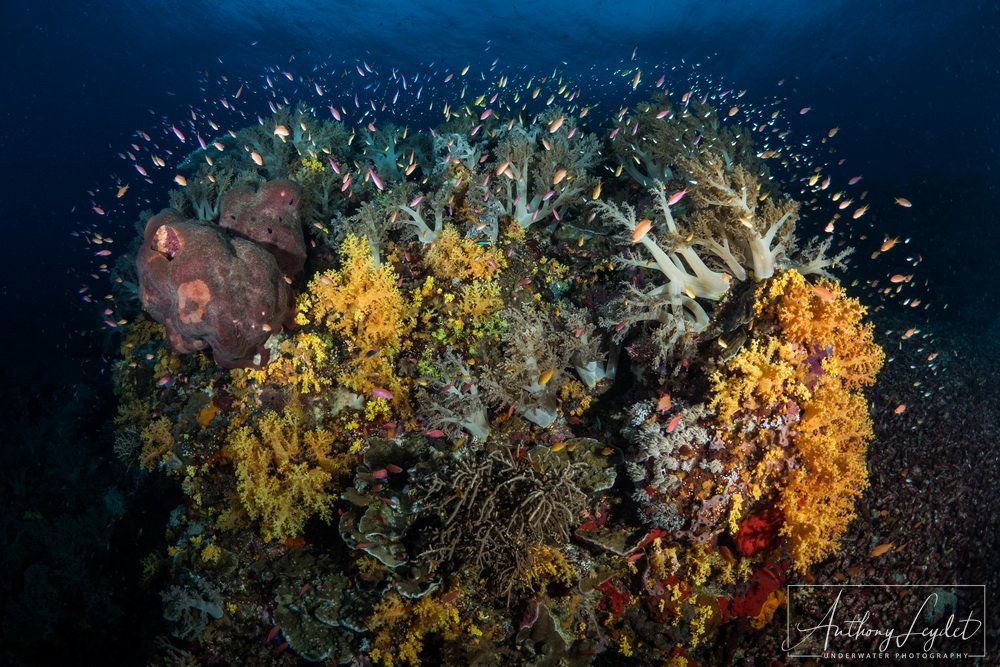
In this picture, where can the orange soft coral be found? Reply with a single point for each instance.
(831, 442)
(821, 317)
(798, 383)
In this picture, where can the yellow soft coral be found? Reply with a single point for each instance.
(761, 374)
(400, 627)
(301, 362)
(363, 304)
(452, 256)
(480, 299)
(283, 473)
(360, 301)
(547, 565)
(157, 444)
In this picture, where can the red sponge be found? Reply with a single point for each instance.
(211, 289)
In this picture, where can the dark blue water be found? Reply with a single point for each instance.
(914, 87)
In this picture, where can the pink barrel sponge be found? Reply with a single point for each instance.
(270, 218)
(211, 289)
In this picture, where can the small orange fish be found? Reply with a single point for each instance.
(900, 409)
(859, 212)
(558, 447)
(881, 549)
(556, 124)
(546, 375)
(889, 244)
(121, 191)
(903, 201)
(898, 278)
(641, 230)
(258, 160)
(909, 332)
(824, 293)
(674, 421)
(558, 176)
(664, 403)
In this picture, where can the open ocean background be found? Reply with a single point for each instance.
(913, 85)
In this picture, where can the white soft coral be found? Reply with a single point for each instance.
(688, 277)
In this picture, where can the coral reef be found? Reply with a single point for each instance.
(520, 389)
(791, 399)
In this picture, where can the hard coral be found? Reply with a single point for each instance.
(498, 506)
(210, 290)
